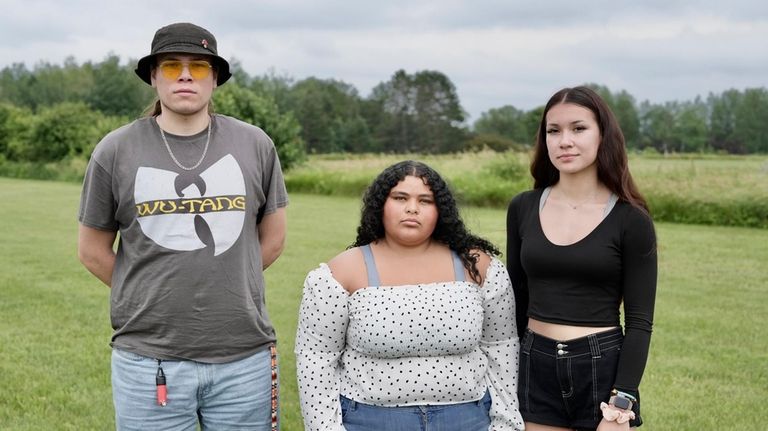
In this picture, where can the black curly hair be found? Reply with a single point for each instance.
(449, 229)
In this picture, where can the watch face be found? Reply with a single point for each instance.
(622, 403)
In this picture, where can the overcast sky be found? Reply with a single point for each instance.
(496, 53)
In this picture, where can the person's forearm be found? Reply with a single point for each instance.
(272, 236)
(101, 265)
(94, 248)
(270, 251)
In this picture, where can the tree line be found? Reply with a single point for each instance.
(52, 112)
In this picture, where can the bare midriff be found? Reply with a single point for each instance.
(561, 332)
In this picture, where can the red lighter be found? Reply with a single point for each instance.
(162, 391)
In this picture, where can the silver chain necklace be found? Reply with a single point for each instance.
(175, 160)
(576, 206)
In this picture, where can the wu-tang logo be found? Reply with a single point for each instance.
(190, 212)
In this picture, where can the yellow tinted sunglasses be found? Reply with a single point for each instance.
(198, 69)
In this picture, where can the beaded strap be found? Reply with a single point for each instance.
(275, 386)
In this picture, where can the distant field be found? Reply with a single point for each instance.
(704, 189)
(707, 369)
(709, 176)
(701, 189)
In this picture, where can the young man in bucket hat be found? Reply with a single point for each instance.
(199, 202)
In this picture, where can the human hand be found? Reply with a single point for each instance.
(611, 413)
(606, 425)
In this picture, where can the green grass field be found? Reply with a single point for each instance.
(709, 357)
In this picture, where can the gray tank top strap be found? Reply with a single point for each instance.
(608, 206)
(458, 267)
(611, 203)
(373, 273)
(544, 196)
(370, 265)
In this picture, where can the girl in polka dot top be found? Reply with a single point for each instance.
(413, 327)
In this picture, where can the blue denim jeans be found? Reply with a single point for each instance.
(233, 395)
(471, 416)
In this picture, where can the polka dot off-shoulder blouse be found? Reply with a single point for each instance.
(426, 344)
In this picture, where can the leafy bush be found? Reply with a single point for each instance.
(66, 129)
(15, 128)
(71, 169)
(246, 105)
(746, 212)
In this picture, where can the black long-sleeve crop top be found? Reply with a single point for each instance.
(584, 284)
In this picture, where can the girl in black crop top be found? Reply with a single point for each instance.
(581, 246)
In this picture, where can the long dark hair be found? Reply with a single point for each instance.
(449, 229)
(612, 165)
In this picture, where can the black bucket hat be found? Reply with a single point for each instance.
(183, 38)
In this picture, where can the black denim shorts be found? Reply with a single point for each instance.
(563, 382)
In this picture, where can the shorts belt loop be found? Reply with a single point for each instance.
(352, 405)
(527, 342)
(594, 345)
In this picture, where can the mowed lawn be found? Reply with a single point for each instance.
(709, 357)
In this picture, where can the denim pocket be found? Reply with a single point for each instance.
(523, 381)
(487, 401)
(344, 406)
(603, 376)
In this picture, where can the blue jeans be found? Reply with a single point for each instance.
(233, 395)
(471, 416)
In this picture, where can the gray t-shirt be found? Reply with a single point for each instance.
(187, 282)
